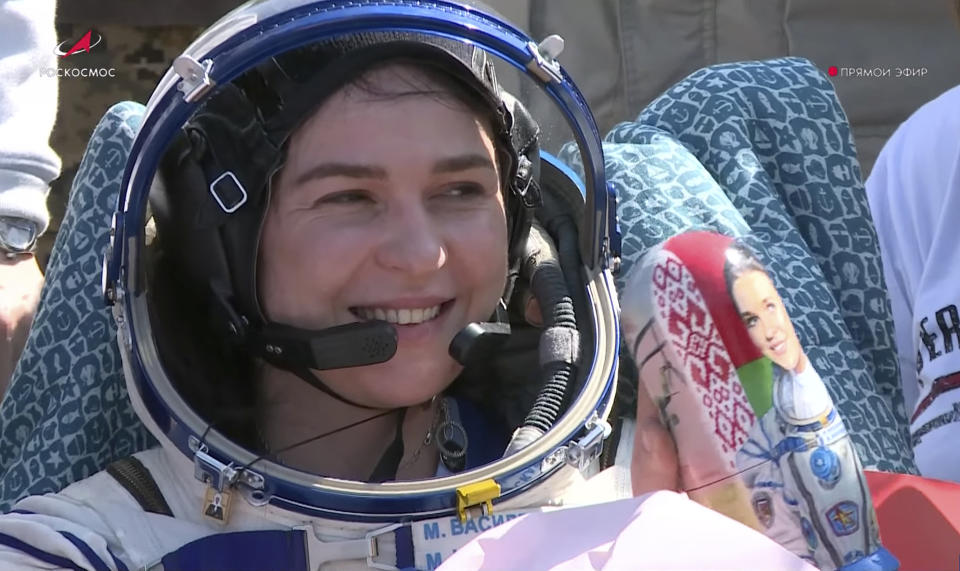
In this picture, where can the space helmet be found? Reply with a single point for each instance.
(197, 186)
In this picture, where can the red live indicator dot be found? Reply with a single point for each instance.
(832, 71)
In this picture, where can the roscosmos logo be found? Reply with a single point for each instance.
(89, 40)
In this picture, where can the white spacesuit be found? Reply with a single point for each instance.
(807, 485)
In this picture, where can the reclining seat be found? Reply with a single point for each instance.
(772, 134)
(66, 414)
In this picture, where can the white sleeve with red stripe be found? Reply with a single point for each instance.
(914, 194)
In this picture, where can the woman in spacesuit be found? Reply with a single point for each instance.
(343, 200)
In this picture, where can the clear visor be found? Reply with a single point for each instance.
(275, 455)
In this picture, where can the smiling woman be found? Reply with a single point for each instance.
(405, 181)
(762, 310)
(391, 203)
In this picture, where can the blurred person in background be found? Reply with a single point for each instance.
(627, 52)
(28, 104)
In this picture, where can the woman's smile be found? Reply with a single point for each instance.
(414, 321)
(779, 347)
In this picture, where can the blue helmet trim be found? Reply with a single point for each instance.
(381, 505)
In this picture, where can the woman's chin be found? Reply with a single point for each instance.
(789, 364)
(397, 390)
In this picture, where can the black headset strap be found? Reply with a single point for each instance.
(314, 381)
(389, 462)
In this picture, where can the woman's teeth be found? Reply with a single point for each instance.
(399, 316)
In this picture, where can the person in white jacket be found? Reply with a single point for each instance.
(914, 194)
(28, 109)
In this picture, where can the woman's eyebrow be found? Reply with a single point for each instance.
(444, 165)
(462, 163)
(325, 170)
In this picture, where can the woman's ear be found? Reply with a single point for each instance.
(531, 310)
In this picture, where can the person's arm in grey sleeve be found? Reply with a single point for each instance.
(28, 109)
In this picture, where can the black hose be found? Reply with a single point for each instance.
(560, 345)
(559, 215)
(563, 229)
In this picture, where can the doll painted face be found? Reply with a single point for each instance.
(766, 319)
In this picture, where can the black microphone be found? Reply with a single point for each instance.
(365, 343)
(477, 342)
(350, 345)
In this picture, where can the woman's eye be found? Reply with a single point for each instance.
(750, 322)
(347, 197)
(771, 306)
(463, 190)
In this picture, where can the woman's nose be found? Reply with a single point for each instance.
(769, 329)
(412, 242)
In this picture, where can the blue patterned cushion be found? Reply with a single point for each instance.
(67, 414)
(774, 136)
(662, 190)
